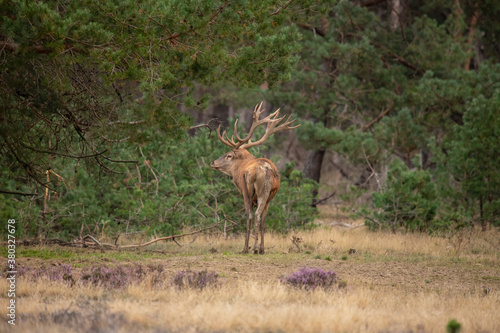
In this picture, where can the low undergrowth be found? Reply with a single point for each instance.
(121, 276)
(311, 278)
(109, 277)
(196, 279)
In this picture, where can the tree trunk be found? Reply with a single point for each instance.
(396, 11)
(312, 168)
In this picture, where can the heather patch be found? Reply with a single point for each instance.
(119, 276)
(312, 278)
(58, 273)
(196, 279)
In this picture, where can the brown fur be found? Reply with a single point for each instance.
(258, 180)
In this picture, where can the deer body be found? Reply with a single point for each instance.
(256, 178)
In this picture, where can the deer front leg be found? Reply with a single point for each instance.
(248, 208)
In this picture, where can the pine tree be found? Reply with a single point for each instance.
(79, 76)
(379, 80)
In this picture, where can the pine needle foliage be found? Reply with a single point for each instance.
(80, 76)
(171, 188)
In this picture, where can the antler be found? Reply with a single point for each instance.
(272, 122)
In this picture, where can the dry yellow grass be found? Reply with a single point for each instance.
(254, 306)
(396, 283)
(327, 241)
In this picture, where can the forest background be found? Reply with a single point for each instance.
(399, 103)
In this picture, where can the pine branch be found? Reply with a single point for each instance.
(377, 119)
(281, 8)
(17, 193)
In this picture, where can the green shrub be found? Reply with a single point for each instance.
(453, 326)
(172, 187)
(408, 201)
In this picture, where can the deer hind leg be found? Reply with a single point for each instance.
(263, 228)
(260, 215)
(248, 209)
(258, 222)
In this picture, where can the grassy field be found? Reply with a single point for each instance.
(395, 283)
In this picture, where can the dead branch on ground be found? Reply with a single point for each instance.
(90, 241)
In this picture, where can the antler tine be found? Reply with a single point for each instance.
(236, 130)
(257, 111)
(273, 126)
(224, 139)
(275, 113)
(287, 123)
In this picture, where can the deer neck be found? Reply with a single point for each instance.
(243, 154)
(242, 157)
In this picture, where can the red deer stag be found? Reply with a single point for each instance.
(257, 179)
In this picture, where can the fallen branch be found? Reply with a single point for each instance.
(158, 239)
(81, 242)
(181, 245)
(92, 238)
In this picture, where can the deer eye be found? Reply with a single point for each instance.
(228, 156)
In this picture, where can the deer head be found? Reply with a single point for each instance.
(229, 162)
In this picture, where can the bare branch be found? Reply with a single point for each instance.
(182, 245)
(17, 193)
(214, 15)
(377, 119)
(369, 3)
(281, 8)
(13, 47)
(323, 200)
(470, 39)
(371, 168)
(119, 122)
(51, 152)
(82, 241)
(307, 26)
(164, 238)
(204, 125)
(109, 140)
(120, 161)
(92, 238)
